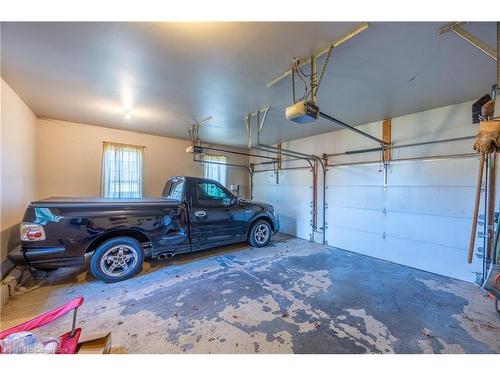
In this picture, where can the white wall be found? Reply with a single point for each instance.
(70, 155)
(18, 156)
(18, 133)
(422, 219)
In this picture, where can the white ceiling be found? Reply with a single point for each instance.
(170, 74)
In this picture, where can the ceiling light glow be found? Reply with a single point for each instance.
(128, 113)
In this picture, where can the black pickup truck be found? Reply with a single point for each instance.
(192, 214)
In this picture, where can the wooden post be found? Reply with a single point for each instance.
(476, 207)
(386, 137)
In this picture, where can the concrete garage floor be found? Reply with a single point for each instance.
(291, 297)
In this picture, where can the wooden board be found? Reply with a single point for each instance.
(386, 137)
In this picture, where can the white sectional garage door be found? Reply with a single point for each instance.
(422, 219)
(292, 199)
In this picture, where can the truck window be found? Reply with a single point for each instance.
(175, 189)
(210, 193)
(166, 189)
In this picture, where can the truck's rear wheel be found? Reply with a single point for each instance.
(260, 233)
(117, 259)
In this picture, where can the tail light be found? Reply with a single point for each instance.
(32, 232)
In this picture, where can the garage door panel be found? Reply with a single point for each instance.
(264, 179)
(365, 175)
(297, 194)
(362, 242)
(422, 219)
(300, 213)
(292, 226)
(442, 200)
(300, 177)
(434, 173)
(434, 258)
(267, 194)
(294, 197)
(291, 198)
(356, 196)
(443, 231)
(304, 217)
(295, 202)
(264, 190)
(360, 219)
(429, 257)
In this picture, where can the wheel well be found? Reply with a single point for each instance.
(138, 235)
(265, 218)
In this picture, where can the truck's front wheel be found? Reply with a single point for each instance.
(117, 259)
(260, 233)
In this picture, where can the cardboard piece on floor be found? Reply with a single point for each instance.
(96, 344)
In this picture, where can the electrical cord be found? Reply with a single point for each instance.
(305, 75)
(298, 70)
(300, 73)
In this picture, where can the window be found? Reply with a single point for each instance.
(216, 171)
(122, 173)
(176, 189)
(211, 194)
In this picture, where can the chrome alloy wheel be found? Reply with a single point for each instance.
(119, 260)
(262, 234)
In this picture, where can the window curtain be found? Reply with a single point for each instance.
(214, 171)
(122, 171)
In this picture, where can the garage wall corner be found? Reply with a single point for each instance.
(18, 165)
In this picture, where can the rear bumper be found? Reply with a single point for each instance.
(43, 257)
(16, 256)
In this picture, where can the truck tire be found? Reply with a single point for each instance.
(117, 259)
(260, 233)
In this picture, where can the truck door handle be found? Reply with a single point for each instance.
(200, 214)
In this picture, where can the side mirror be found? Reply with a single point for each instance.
(234, 200)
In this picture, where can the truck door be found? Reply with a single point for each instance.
(175, 236)
(212, 222)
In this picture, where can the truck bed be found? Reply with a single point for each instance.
(96, 201)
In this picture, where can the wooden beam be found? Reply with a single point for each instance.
(322, 51)
(447, 28)
(477, 200)
(386, 137)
